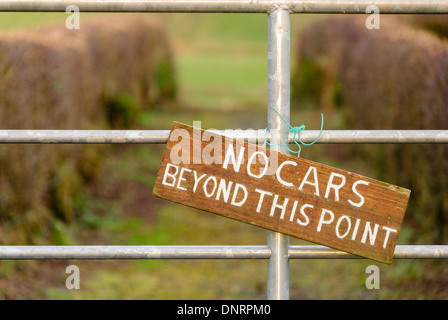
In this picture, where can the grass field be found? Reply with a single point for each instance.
(222, 70)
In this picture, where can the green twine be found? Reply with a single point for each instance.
(296, 134)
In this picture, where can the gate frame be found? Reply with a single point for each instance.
(278, 251)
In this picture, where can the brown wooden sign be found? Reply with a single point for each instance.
(287, 194)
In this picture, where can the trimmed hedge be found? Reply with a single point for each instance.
(392, 78)
(434, 23)
(100, 76)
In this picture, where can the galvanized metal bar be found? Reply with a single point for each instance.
(279, 37)
(84, 136)
(401, 252)
(265, 6)
(134, 252)
(200, 252)
(250, 135)
(375, 136)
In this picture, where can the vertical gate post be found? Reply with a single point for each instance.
(279, 25)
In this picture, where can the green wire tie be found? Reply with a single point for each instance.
(296, 134)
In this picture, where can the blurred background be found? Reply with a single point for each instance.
(144, 72)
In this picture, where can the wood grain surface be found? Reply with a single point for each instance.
(283, 193)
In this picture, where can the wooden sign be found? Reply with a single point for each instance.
(283, 193)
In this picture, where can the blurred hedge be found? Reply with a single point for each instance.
(435, 23)
(100, 76)
(392, 78)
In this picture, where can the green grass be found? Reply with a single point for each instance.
(18, 20)
(221, 59)
(222, 82)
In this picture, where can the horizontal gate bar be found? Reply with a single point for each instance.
(201, 252)
(254, 136)
(133, 252)
(401, 252)
(294, 6)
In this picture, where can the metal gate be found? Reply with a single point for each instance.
(277, 251)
